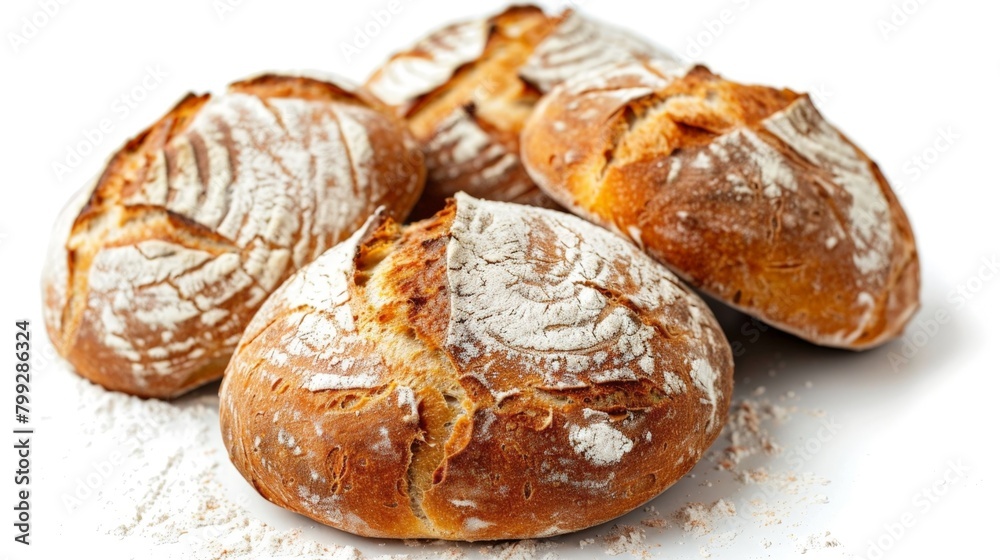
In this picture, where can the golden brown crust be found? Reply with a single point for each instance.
(164, 259)
(743, 190)
(270, 85)
(366, 397)
(469, 126)
(467, 89)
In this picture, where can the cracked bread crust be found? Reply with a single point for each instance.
(494, 372)
(155, 269)
(745, 191)
(467, 88)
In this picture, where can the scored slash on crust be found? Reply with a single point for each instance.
(467, 88)
(506, 406)
(803, 229)
(198, 218)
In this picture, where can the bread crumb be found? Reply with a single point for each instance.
(625, 539)
(819, 541)
(758, 475)
(518, 550)
(746, 435)
(701, 519)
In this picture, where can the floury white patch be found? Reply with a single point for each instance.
(600, 442)
(257, 186)
(406, 77)
(509, 299)
(804, 130)
(511, 303)
(581, 46)
(899, 17)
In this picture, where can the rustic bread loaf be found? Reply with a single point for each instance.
(745, 191)
(467, 88)
(156, 268)
(497, 371)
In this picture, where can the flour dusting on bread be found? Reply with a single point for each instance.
(492, 363)
(599, 442)
(805, 131)
(743, 190)
(430, 63)
(578, 46)
(204, 214)
(324, 325)
(555, 310)
(152, 292)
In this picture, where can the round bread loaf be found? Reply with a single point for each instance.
(155, 269)
(497, 371)
(745, 191)
(467, 88)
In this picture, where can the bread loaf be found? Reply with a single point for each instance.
(497, 371)
(745, 191)
(155, 269)
(467, 88)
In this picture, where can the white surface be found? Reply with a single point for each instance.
(926, 90)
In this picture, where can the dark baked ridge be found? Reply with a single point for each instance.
(280, 429)
(752, 176)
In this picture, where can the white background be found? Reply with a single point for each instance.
(922, 83)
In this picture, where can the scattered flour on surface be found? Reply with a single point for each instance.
(626, 539)
(702, 519)
(174, 493)
(170, 489)
(520, 550)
